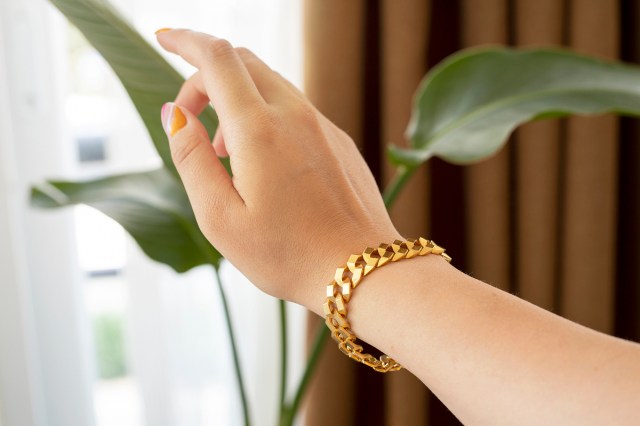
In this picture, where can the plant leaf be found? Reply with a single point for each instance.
(151, 206)
(466, 107)
(147, 77)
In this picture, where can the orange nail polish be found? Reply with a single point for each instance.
(162, 30)
(173, 119)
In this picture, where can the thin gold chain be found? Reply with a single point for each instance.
(348, 277)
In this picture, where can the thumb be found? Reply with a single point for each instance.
(208, 185)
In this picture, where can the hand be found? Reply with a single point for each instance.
(301, 199)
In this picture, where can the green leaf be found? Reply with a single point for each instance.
(466, 107)
(148, 78)
(151, 206)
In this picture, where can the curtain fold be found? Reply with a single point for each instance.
(487, 195)
(553, 217)
(537, 157)
(590, 179)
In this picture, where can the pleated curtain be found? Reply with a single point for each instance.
(553, 217)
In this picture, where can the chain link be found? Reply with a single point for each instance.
(348, 277)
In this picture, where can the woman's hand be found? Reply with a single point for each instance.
(301, 199)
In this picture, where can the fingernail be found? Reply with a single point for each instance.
(173, 118)
(162, 30)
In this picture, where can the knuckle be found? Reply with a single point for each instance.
(183, 150)
(307, 116)
(247, 56)
(245, 53)
(218, 47)
(306, 113)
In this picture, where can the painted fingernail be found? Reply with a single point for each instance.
(163, 30)
(173, 119)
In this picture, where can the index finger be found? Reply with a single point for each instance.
(226, 79)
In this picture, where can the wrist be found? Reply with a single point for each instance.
(326, 264)
(395, 282)
(341, 289)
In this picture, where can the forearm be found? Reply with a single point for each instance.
(483, 351)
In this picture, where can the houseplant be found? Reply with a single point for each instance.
(464, 110)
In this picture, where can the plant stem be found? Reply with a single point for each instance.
(283, 357)
(234, 348)
(287, 414)
(403, 173)
(318, 343)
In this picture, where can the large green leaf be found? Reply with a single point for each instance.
(467, 106)
(151, 206)
(148, 78)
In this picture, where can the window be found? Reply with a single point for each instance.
(107, 336)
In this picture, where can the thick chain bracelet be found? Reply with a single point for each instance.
(348, 277)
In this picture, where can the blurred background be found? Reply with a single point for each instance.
(93, 333)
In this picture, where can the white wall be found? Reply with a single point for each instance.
(17, 365)
(16, 333)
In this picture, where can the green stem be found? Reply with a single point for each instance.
(234, 349)
(391, 192)
(403, 173)
(283, 357)
(318, 343)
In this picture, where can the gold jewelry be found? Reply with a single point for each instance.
(348, 277)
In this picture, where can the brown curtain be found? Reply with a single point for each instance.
(553, 217)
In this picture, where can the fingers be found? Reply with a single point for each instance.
(194, 98)
(235, 80)
(208, 185)
(225, 78)
(193, 95)
(272, 86)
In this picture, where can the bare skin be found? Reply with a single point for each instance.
(302, 200)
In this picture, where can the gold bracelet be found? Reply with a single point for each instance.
(348, 277)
